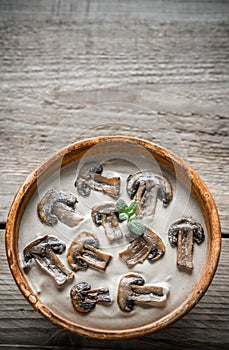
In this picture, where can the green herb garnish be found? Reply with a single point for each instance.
(126, 213)
(136, 226)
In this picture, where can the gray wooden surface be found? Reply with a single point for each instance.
(153, 69)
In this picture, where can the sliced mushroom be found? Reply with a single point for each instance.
(90, 178)
(84, 299)
(58, 205)
(132, 290)
(84, 253)
(43, 251)
(156, 243)
(147, 187)
(183, 233)
(105, 215)
(148, 246)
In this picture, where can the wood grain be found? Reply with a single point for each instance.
(171, 58)
(58, 57)
(206, 326)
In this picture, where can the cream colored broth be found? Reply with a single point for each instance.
(163, 272)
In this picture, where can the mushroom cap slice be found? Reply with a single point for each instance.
(125, 290)
(147, 187)
(90, 178)
(106, 215)
(84, 299)
(183, 233)
(148, 246)
(156, 243)
(84, 252)
(58, 205)
(132, 290)
(43, 250)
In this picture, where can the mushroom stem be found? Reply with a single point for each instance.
(148, 289)
(111, 226)
(95, 258)
(84, 299)
(107, 185)
(139, 196)
(146, 197)
(100, 295)
(104, 214)
(185, 249)
(183, 233)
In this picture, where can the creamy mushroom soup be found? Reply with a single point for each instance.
(163, 273)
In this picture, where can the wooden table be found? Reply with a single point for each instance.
(153, 69)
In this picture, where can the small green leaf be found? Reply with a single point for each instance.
(132, 208)
(121, 206)
(123, 216)
(136, 227)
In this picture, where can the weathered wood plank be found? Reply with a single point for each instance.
(205, 327)
(58, 57)
(207, 150)
(166, 10)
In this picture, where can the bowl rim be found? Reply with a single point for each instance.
(67, 155)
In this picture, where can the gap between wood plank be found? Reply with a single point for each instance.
(2, 225)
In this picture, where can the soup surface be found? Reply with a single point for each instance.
(163, 272)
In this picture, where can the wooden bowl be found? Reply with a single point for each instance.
(22, 214)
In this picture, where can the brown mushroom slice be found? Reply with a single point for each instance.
(148, 246)
(105, 215)
(147, 187)
(90, 178)
(110, 186)
(183, 233)
(136, 252)
(156, 243)
(132, 290)
(58, 205)
(43, 251)
(84, 299)
(84, 252)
